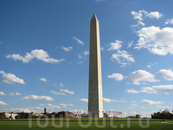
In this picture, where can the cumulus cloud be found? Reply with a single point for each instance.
(116, 76)
(35, 97)
(78, 41)
(57, 93)
(11, 78)
(149, 66)
(141, 75)
(132, 91)
(121, 57)
(86, 52)
(130, 44)
(67, 48)
(141, 14)
(166, 74)
(169, 21)
(134, 105)
(65, 105)
(165, 107)
(80, 62)
(61, 85)
(3, 103)
(83, 100)
(53, 106)
(17, 94)
(157, 41)
(149, 102)
(101, 48)
(164, 88)
(115, 46)
(43, 79)
(107, 100)
(30, 109)
(38, 54)
(67, 91)
(2, 93)
(148, 90)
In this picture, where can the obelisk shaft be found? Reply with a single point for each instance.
(95, 96)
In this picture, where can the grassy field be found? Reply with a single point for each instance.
(75, 125)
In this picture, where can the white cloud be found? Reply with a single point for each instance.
(61, 85)
(123, 56)
(57, 93)
(164, 88)
(80, 62)
(55, 84)
(149, 66)
(35, 97)
(130, 44)
(53, 106)
(116, 76)
(166, 74)
(3, 103)
(78, 41)
(141, 75)
(65, 105)
(137, 15)
(80, 56)
(148, 90)
(2, 93)
(134, 105)
(101, 48)
(86, 52)
(142, 14)
(152, 15)
(149, 102)
(157, 41)
(17, 94)
(41, 105)
(17, 110)
(37, 53)
(11, 78)
(67, 48)
(83, 100)
(43, 79)
(115, 46)
(99, 0)
(67, 91)
(132, 91)
(107, 100)
(163, 107)
(169, 21)
(133, 102)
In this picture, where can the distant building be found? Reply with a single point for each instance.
(36, 114)
(65, 114)
(44, 110)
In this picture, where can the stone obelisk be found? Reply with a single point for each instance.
(95, 96)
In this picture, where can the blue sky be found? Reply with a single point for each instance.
(44, 55)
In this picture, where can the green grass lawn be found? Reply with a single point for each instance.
(74, 125)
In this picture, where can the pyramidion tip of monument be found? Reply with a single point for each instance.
(94, 17)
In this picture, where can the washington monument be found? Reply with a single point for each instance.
(95, 96)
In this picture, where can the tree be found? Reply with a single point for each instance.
(162, 115)
(23, 115)
(138, 116)
(2, 116)
(17, 117)
(105, 115)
